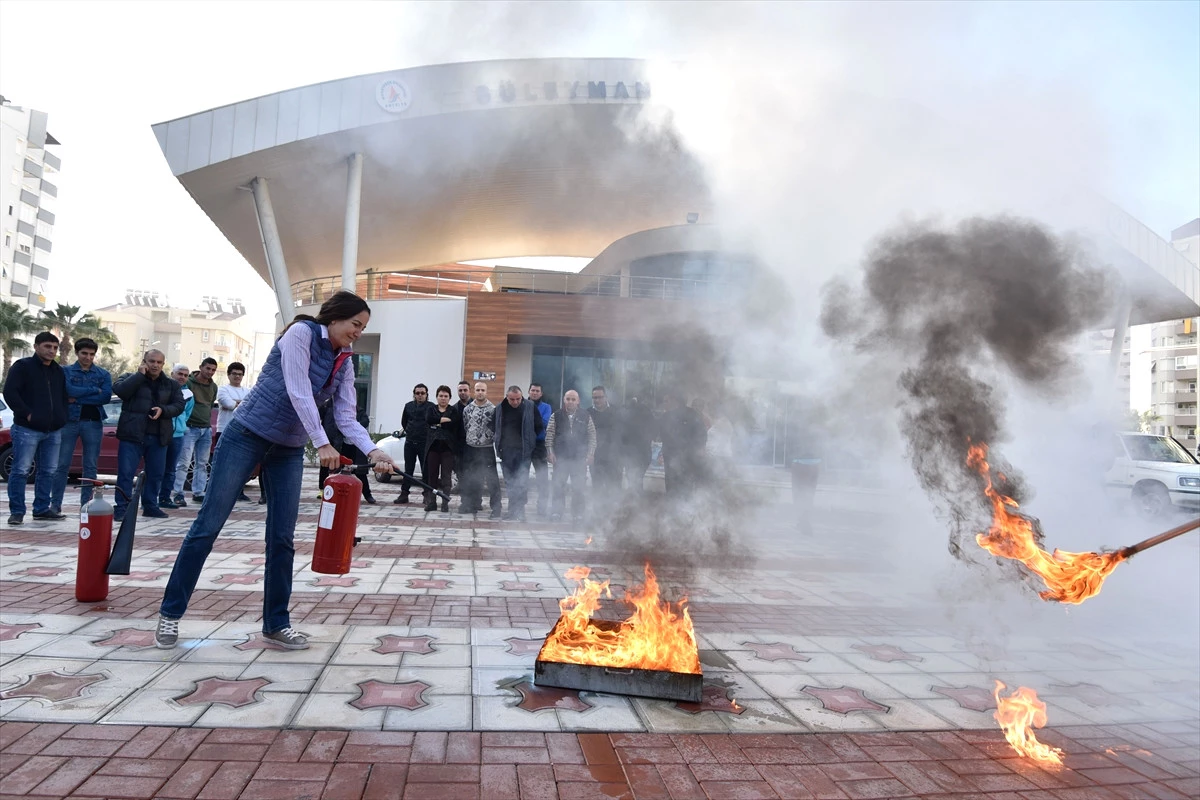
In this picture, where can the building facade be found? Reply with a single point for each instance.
(28, 195)
(1175, 350)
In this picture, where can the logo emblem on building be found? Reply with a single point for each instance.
(393, 96)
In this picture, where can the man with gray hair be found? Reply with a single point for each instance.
(151, 401)
(518, 424)
(570, 447)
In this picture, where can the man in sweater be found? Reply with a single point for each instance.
(197, 439)
(89, 387)
(229, 397)
(479, 426)
(518, 424)
(36, 391)
(570, 447)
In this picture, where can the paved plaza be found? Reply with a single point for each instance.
(834, 667)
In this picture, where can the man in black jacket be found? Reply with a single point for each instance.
(518, 423)
(151, 401)
(416, 433)
(36, 391)
(683, 440)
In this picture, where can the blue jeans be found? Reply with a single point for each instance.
(129, 455)
(169, 465)
(239, 451)
(516, 481)
(90, 432)
(198, 441)
(26, 443)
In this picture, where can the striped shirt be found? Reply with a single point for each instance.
(294, 360)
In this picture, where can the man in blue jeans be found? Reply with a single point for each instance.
(89, 387)
(197, 439)
(36, 391)
(152, 400)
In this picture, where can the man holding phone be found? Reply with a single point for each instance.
(151, 401)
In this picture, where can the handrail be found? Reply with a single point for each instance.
(458, 284)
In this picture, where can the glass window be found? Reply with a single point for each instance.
(1157, 448)
(547, 370)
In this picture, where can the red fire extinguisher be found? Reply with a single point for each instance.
(95, 542)
(340, 500)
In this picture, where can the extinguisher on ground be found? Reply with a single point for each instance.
(341, 497)
(95, 544)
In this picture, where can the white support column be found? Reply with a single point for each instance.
(1124, 309)
(273, 247)
(350, 232)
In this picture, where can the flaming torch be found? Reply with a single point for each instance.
(1069, 577)
(1018, 714)
(652, 653)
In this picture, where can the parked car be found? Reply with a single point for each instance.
(1156, 472)
(106, 464)
(6, 415)
(394, 446)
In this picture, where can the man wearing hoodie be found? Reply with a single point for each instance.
(36, 391)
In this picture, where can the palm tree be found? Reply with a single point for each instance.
(62, 319)
(15, 321)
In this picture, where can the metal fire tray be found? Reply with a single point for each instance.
(660, 684)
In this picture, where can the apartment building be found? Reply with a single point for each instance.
(215, 328)
(1175, 350)
(27, 201)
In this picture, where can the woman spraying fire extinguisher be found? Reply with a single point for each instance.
(307, 366)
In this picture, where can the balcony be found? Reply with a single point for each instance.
(458, 284)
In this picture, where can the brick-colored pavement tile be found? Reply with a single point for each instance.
(69, 775)
(693, 748)
(645, 782)
(739, 790)
(845, 748)
(977, 766)
(241, 736)
(775, 755)
(386, 782)
(36, 740)
(429, 747)
(564, 748)
(228, 781)
(1146, 791)
(649, 755)
(288, 746)
(282, 790)
(463, 747)
(592, 791)
(725, 748)
(120, 786)
(916, 780)
(855, 771)
(680, 783)
(725, 772)
(1189, 786)
(584, 773)
(515, 755)
(120, 733)
(443, 773)
(325, 746)
(346, 782)
(597, 748)
(229, 751)
(82, 747)
(182, 743)
(189, 779)
(282, 771)
(817, 782)
(381, 738)
(373, 753)
(144, 743)
(140, 767)
(514, 740)
(881, 788)
(1002, 783)
(31, 772)
(439, 791)
(640, 739)
(536, 781)
(11, 731)
(499, 782)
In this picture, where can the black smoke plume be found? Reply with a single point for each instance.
(960, 311)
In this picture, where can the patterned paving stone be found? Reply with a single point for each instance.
(335, 580)
(713, 698)
(232, 693)
(381, 694)
(128, 637)
(405, 644)
(886, 652)
(10, 632)
(536, 698)
(776, 651)
(524, 647)
(843, 699)
(969, 697)
(426, 583)
(52, 686)
(520, 586)
(238, 580)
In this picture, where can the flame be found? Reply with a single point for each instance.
(588, 540)
(1069, 577)
(657, 635)
(1016, 713)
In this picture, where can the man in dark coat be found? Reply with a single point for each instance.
(518, 423)
(416, 435)
(36, 391)
(150, 402)
(683, 438)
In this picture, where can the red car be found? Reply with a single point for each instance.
(106, 464)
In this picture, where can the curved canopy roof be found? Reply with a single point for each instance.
(461, 161)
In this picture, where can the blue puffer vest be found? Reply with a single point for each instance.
(268, 411)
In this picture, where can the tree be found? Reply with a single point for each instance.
(62, 319)
(1141, 422)
(15, 322)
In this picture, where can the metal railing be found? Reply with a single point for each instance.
(420, 285)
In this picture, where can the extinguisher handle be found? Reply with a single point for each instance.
(345, 461)
(92, 481)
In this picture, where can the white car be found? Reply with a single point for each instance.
(1156, 472)
(6, 415)
(394, 446)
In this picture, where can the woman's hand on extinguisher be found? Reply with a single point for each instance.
(329, 457)
(381, 461)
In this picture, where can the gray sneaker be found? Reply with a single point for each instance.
(288, 638)
(166, 635)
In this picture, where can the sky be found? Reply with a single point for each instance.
(1108, 91)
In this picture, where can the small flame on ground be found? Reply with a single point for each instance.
(1069, 577)
(657, 635)
(1018, 714)
(588, 540)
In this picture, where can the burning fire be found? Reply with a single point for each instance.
(1069, 577)
(1016, 713)
(657, 635)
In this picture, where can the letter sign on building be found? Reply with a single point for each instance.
(393, 96)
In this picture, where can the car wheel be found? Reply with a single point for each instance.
(6, 462)
(1151, 499)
